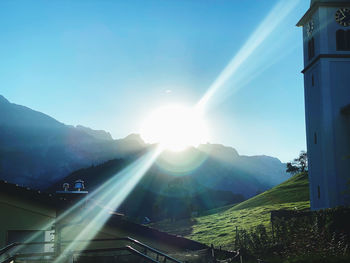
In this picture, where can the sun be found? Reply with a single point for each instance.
(175, 128)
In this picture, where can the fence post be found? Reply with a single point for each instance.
(212, 251)
(237, 238)
(273, 231)
(345, 249)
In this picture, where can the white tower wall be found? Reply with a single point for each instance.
(327, 93)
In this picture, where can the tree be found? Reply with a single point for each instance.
(298, 165)
(292, 169)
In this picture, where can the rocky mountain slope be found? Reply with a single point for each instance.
(37, 150)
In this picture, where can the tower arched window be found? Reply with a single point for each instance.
(311, 48)
(343, 39)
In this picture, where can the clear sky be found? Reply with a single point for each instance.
(107, 64)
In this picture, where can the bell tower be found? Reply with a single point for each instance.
(326, 42)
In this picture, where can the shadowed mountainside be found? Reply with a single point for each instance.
(37, 151)
(156, 196)
(169, 193)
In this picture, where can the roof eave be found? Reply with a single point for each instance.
(308, 14)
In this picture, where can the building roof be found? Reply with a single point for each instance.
(327, 1)
(152, 233)
(315, 4)
(59, 201)
(30, 194)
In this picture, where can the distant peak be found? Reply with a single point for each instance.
(219, 151)
(98, 134)
(3, 99)
(134, 136)
(216, 146)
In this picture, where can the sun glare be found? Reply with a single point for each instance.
(175, 127)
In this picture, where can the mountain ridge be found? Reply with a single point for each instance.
(36, 151)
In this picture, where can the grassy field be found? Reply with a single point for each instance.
(219, 228)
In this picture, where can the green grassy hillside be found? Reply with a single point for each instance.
(219, 228)
(295, 189)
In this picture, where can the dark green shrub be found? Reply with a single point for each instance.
(306, 237)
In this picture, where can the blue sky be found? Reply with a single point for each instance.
(107, 64)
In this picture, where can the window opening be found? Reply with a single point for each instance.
(311, 48)
(343, 39)
(315, 138)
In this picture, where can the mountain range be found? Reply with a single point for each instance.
(38, 151)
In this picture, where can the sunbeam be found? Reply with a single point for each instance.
(111, 196)
(106, 198)
(263, 31)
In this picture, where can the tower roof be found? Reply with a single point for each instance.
(328, 1)
(314, 4)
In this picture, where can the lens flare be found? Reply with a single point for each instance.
(263, 31)
(175, 127)
(180, 164)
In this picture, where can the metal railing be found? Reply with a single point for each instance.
(146, 248)
(143, 254)
(126, 248)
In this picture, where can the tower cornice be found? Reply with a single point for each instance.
(320, 56)
(315, 6)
